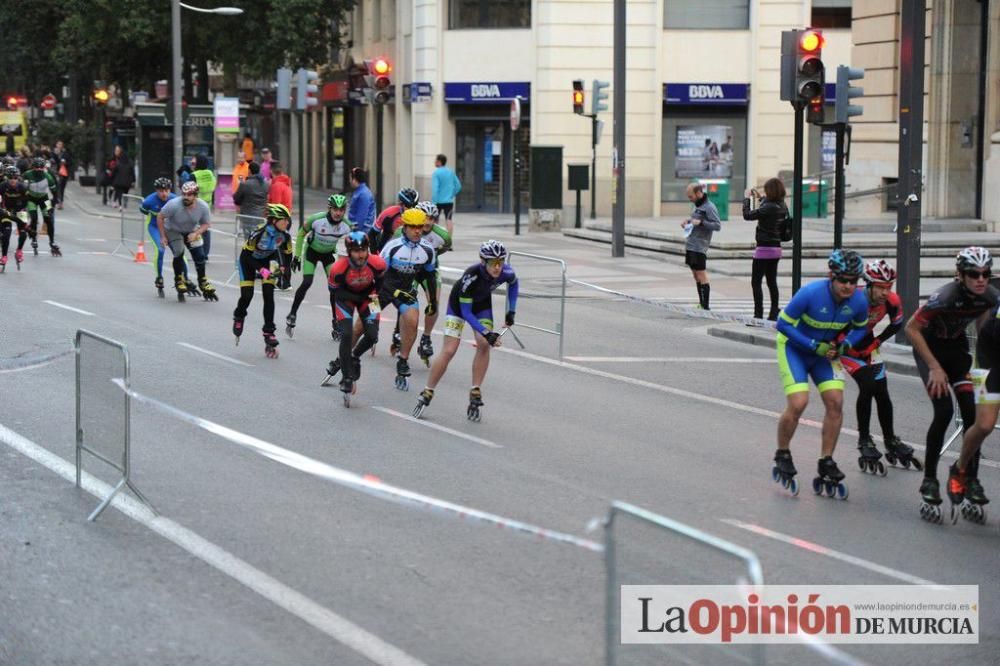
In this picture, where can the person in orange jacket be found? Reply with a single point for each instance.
(241, 170)
(281, 186)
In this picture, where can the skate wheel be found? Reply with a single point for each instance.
(347, 400)
(891, 459)
(906, 465)
(775, 476)
(818, 486)
(917, 465)
(954, 514)
(863, 464)
(418, 411)
(402, 384)
(882, 471)
(842, 491)
(326, 382)
(288, 331)
(793, 487)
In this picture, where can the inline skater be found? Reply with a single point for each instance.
(408, 259)
(937, 331)
(316, 243)
(14, 199)
(42, 190)
(471, 301)
(150, 206)
(438, 238)
(6, 220)
(864, 364)
(390, 219)
(354, 282)
(181, 223)
(808, 328)
(266, 254)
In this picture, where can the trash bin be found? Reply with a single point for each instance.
(718, 193)
(814, 196)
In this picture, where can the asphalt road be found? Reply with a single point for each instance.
(647, 409)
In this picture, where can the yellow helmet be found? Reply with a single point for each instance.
(413, 217)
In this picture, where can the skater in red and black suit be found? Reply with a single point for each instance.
(354, 283)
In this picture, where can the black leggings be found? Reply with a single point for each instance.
(764, 268)
(345, 324)
(953, 355)
(49, 218)
(246, 295)
(872, 383)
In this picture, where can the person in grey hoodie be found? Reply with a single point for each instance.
(699, 227)
(251, 197)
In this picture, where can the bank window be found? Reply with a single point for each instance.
(706, 14)
(490, 14)
(831, 14)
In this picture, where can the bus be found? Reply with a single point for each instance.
(14, 124)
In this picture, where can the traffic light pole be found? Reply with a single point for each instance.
(797, 200)
(378, 153)
(838, 193)
(302, 171)
(593, 166)
(911, 122)
(618, 161)
(517, 187)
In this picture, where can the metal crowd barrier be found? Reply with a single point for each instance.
(243, 225)
(103, 416)
(560, 325)
(132, 227)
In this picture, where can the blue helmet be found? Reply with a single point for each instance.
(408, 197)
(356, 240)
(846, 262)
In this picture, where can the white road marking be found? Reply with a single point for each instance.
(93, 252)
(93, 240)
(435, 426)
(330, 623)
(829, 552)
(213, 354)
(665, 359)
(70, 308)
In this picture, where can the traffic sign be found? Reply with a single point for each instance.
(48, 102)
(515, 114)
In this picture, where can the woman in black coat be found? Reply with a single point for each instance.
(122, 177)
(771, 216)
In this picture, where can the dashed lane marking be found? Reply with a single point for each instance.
(665, 359)
(70, 308)
(221, 357)
(427, 424)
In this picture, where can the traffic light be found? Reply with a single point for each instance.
(283, 94)
(578, 96)
(12, 103)
(101, 96)
(599, 96)
(378, 80)
(810, 74)
(843, 109)
(306, 87)
(814, 110)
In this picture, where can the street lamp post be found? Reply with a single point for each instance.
(175, 30)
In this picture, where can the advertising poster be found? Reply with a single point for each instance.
(704, 151)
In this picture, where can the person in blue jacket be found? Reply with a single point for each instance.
(361, 211)
(150, 206)
(445, 186)
(807, 331)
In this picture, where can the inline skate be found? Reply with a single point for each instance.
(423, 400)
(426, 349)
(959, 487)
(402, 372)
(237, 329)
(18, 258)
(54, 250)
(270, 344)
(829, 479)
(898, 453)
(207, 290)
(930, 501)
(784, 471)
(181, 285)
(474, 412)
(3, 264)
(158, 283)
(870, 458)
(290, 324)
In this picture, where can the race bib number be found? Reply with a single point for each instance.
(373, 306)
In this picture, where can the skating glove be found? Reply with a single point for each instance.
(823, 348)
(509, 319)
(296, 264)
(431, 309)
(492, 337)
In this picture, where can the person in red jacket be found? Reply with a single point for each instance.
(281, 187)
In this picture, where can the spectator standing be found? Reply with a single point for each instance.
(241, 170)
(251, 199)
(248, 147)
(361, 212)
(445, 186)
(265, 164)
(105, 180)
(281, 186)
(207, 181)
(122, 176)
(771, 216)
(63, 166)
(699, 227)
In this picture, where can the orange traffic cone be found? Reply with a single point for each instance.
(140, 255)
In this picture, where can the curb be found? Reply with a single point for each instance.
(760, 339)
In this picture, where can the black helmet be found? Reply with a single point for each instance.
(162, 183)
(38, 163)
(846, 262)
(12, 172)
(408, 197)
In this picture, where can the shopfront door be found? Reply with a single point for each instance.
(482, 164)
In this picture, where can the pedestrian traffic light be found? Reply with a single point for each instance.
(578, 96)
(283, 93)
(810, 74)
(306, 87)
(843, 109)
(599, 96)
(814, 110)
(378, 80)
(101, 96)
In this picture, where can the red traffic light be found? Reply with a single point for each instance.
(811, 41)
(381, 66)
(12, 103)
